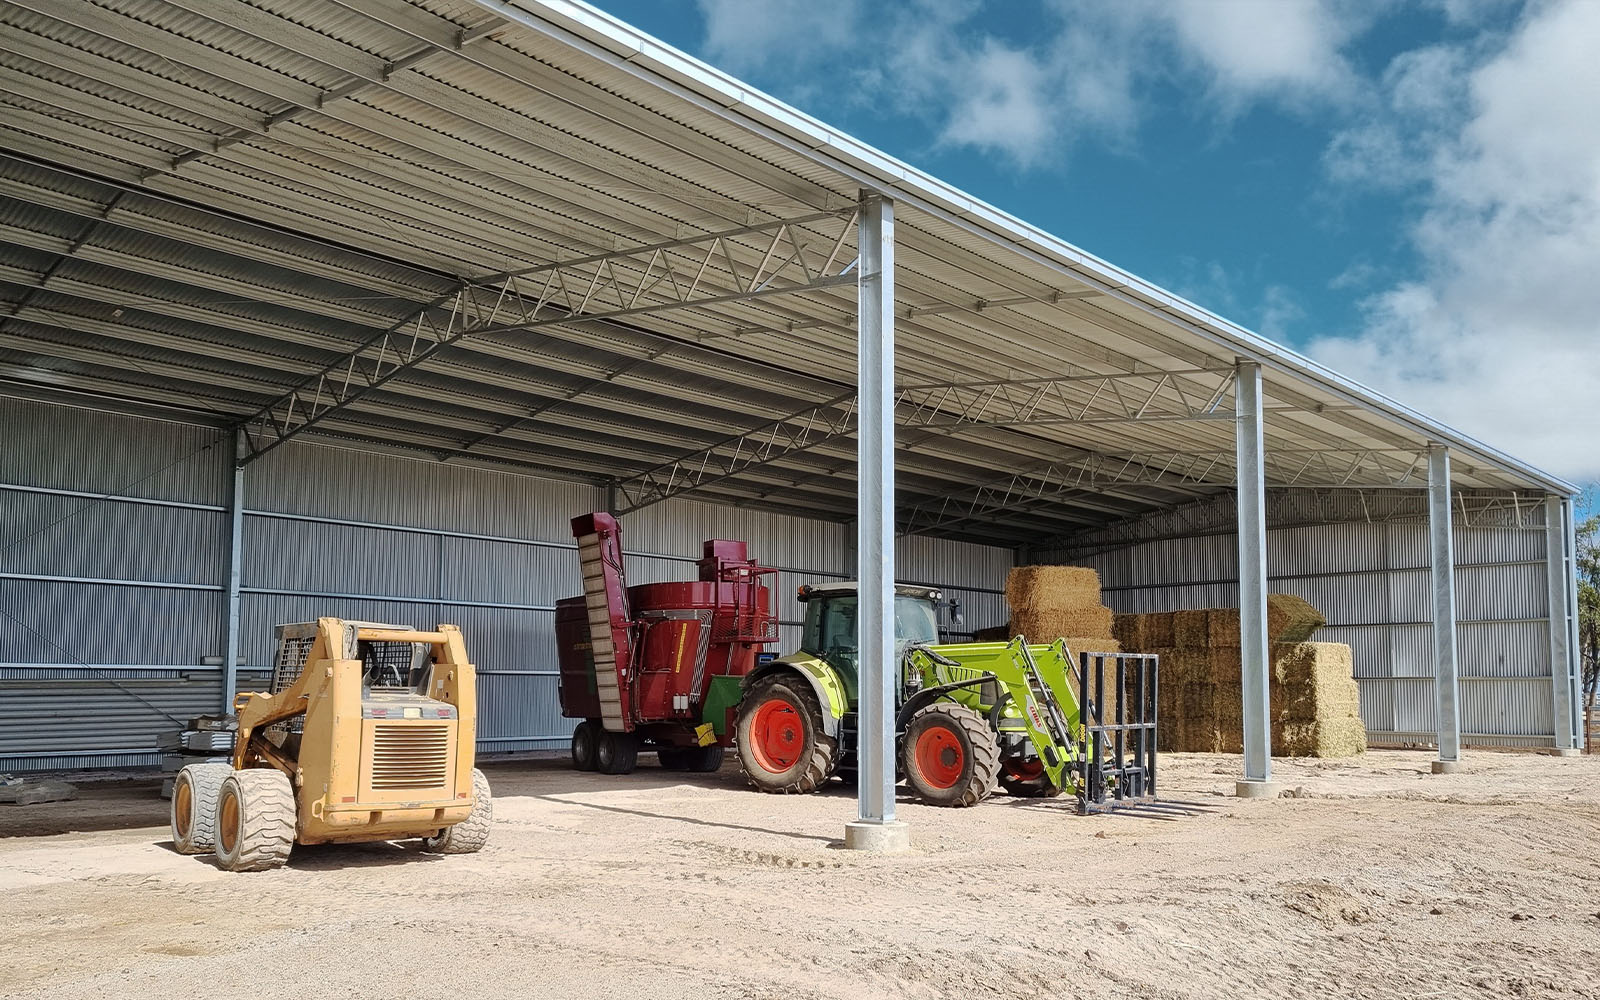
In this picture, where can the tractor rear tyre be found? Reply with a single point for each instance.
(469, 835)
(950, 755)
(585, 745)
(194, 807)
(616, 753)
(782, 747)
(1025, 779)
(255, 820)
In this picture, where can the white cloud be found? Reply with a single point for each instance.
(744, 35)
(1499, 336)
(1254, 48)
(1082, 72)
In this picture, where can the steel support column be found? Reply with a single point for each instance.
(1441, 547)
(1574, 656)
(1558, 568)
(230, 651)
(875, 525)
(1254, 657)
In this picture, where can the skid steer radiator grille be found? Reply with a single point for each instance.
(410, 756)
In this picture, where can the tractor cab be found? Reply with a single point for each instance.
(830, 624)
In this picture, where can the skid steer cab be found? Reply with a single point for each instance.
(367, 735)
(968, 716)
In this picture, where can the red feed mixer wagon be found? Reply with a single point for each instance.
(658, 665)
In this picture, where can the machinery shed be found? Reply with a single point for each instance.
(346, 308)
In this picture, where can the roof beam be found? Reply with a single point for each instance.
(652, 279)
(1116, 398)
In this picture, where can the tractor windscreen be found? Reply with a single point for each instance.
(834, 630)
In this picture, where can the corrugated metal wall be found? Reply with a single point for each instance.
(113, 608)
(1372, 583)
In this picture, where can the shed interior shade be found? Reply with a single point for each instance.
(205, 204)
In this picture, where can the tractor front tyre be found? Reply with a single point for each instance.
(950, 755)
(194, 807)
(255, 820)
(1025, 779)
(585, 745)
(782, 747)
(469, 835)
(616, 753)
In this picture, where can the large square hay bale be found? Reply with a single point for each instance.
(1052, 587)
(1049, 624)
(1332, 699)
(1223, 662)
(1156, 629)
(1325, 738)
(1184, 666)
(1128, 630)
(1308, 663)
(1291, 619)
(1190, 629)
(1222, 627)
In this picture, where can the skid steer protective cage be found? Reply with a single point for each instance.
(1117, 748)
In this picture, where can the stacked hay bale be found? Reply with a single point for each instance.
(1060, 602)
(1314, 703)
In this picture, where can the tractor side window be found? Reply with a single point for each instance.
(839, 625)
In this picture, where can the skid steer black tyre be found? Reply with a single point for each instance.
(255, 820)
(782, 746)
(1025, 779)
(469, 835)
(616, 753)
(585, 745)
(950, 755)
(194, 807)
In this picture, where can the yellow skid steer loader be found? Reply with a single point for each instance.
(367, 735)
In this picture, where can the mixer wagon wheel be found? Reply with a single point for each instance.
(616, 753)
(673, 758)
(1024, 778)
(950, 755)
(705, 760)
(782, 747)
(585, 745)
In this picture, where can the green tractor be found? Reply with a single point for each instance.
(968, 715)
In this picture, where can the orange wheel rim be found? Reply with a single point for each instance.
(940, 757)
(182, 802)
(228, 823)
(777, 735)
(1025, 770)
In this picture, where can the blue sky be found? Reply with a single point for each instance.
(1409, 192)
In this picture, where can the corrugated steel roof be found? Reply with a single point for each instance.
(206, 202)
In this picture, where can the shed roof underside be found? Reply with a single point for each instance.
(207, 202)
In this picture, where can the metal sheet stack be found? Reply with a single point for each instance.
(1314, 703)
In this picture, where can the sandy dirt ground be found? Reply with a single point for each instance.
(1373, 879)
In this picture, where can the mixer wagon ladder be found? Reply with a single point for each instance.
(605, 596)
